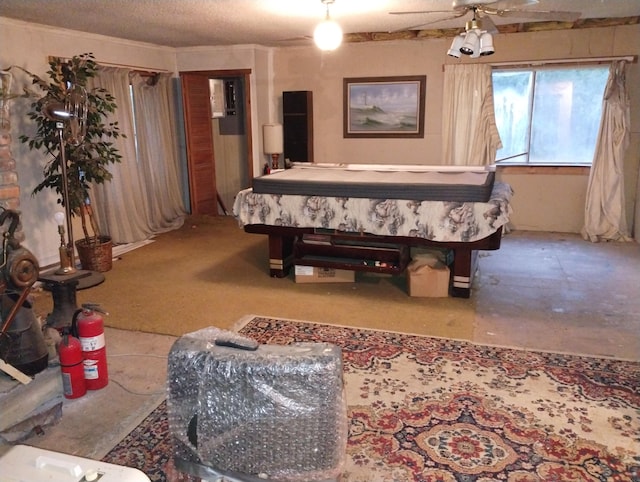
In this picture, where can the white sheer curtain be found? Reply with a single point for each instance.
(158, 150)
(469, 131)
(605, 217)
(119, 204)
(132, 206)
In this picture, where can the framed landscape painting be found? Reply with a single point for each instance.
(384, 106)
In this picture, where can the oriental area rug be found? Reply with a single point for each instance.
(432, 409)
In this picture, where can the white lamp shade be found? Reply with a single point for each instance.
(454, 50)
(272, 139)
(471, 43)
(327, 35)
(486, 44)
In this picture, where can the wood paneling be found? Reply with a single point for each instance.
(200, 156)
(509, 28)
(561, 170)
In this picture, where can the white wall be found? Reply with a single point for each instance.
(636, 222)
(543, 202)
(28, 46)
(307, 68)
(547, 202)
(256, 58)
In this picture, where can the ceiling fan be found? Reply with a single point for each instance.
(483, 9)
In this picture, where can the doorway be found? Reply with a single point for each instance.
(218, 137)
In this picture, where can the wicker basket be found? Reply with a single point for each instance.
(95, 254)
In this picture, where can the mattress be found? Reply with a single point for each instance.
(441, 183)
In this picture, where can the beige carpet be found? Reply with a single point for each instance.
(210, 272)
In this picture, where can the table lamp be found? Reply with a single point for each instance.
(272, 142)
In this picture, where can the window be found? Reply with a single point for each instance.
(548, 116)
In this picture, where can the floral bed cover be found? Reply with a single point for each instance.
(441, 221)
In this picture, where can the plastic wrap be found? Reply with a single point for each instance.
(269, 411)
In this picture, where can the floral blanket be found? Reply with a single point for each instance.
(440, 221)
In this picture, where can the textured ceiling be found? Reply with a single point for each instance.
(187, 23)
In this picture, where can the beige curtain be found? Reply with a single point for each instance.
(158, 150)
(605, 217)
(119, 204)
(469, 131)
(140, 199)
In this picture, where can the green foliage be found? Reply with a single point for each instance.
(87, 162)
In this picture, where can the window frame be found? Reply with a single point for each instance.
(534, 69)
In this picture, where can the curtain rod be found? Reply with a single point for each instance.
(110, 64)
(628, 58)
(139, 69)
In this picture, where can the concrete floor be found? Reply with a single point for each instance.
(91, 425)
(540, 291)
(556, 292)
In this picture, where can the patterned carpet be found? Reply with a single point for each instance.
(430, 409)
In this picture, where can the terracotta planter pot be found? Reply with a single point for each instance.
(95, 254)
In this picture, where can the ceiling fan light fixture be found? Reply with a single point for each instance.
(454, 50)
(473, 25)
(486, 44)
(471, 43)
(327, 34)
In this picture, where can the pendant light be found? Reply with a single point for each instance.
(328, 34)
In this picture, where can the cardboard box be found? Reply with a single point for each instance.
(314, 274)
(428, 277)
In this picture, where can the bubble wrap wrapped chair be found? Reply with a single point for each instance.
(242, 411)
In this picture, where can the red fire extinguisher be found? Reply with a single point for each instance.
(71, 366)
(87, 324)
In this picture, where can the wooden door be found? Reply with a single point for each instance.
(200, 158)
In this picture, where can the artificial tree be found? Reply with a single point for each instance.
(87, 161)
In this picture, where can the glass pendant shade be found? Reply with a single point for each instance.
(327, 35)
(59, 218)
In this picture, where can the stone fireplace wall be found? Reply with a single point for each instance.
(9, 187)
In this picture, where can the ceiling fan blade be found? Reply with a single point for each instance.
(510, 4)
(418, 12)
(301, 38)
(488, 25)
(538, 14)
(424, 24)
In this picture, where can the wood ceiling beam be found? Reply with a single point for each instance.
(509, 28)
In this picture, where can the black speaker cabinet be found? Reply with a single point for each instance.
(297, 107)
